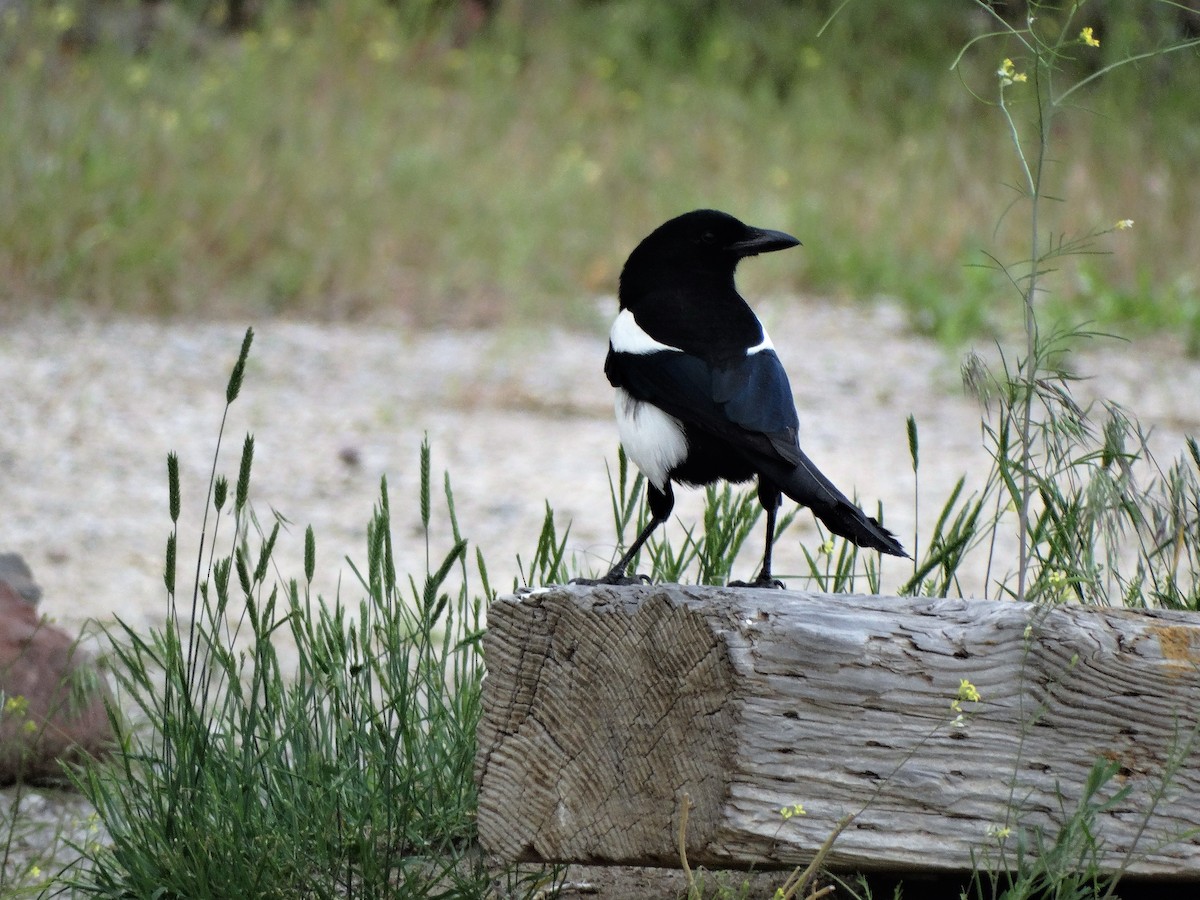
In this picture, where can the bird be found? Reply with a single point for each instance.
(700, 393)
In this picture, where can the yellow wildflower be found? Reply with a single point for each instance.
(1089, 38)
(17, 706)
(1008, 74)
(967, 691)
(1124, 225)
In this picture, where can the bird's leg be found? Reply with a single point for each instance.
(770, 497)
(661, 503)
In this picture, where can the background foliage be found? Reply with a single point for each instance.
(479, 162)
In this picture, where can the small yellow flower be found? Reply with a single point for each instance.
(35, 872)
(1124, 225)
(16, 706)
(796, 809)
(967, 691)
(826, 547)
(30, 726)
(1089, 38)
(1000, 832)
(1008, 74)
(1057, 578)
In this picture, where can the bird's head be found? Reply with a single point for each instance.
(706, 242)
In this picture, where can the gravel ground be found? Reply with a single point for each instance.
(91, 408)
(518, 419)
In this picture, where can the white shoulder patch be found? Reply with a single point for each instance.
(627, 336)
(764, 344)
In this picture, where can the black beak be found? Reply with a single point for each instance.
(763, 240)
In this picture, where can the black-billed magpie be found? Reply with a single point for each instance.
(700, 392)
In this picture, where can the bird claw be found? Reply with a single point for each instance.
(772, 583)
(613, 579)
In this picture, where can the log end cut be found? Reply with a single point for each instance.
(599, 715)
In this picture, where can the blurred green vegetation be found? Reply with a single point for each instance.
(457, 163)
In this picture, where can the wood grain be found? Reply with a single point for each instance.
(603, 706)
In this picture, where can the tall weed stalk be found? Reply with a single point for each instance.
(1092, 514)
(1097, 520)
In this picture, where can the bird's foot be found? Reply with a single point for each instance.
(619, 579)
(760, 582)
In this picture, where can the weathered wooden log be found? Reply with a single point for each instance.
(604, 706)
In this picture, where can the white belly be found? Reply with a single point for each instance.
(654, 440)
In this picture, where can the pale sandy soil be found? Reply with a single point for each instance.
(89, 411)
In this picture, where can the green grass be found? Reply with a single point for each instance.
(346, 774)
(337, 162)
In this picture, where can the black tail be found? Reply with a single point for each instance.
(807, 486)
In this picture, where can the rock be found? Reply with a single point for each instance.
(15, 571)
(53, 692)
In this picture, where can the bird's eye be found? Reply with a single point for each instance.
(708, 238)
